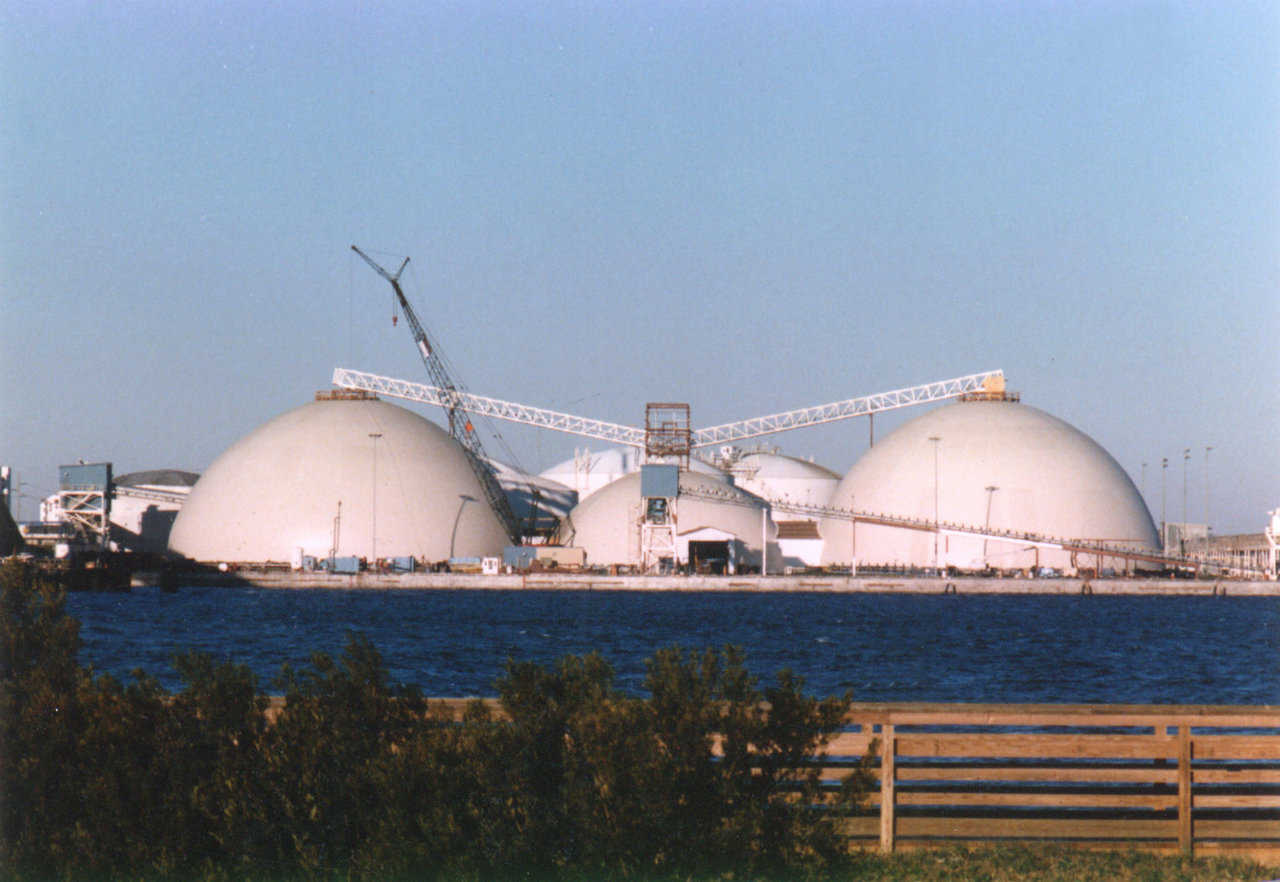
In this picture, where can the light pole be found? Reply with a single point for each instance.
(1164, 486)
(463, 499)
(935, 439)
(1206, 501)
(853, 538)
(373, 554)
(21, 495)
(764, 543)
(1186, 459)
(991, 490)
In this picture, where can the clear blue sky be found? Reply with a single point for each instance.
(751, 207)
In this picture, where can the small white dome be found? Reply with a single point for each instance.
(781, 477)
(589, 471)
(607, 523)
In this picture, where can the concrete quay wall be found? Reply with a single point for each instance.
(831, 584)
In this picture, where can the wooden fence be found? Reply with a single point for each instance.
(1202, 780)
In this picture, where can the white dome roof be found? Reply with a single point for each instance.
(1048, 478)
(606, 523)
(777, 476)
(589, 471)
(279, 488)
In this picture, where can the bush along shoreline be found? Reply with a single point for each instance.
(358, 778)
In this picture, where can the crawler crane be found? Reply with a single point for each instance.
(452, 399)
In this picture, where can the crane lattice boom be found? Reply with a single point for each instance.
(451, 398)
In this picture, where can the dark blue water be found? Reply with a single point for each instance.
(1184, 650)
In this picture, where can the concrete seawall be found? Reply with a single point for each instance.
(830, 584)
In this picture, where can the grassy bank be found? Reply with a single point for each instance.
(1053, 864)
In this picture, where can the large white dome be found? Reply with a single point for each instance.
(309, 474)
(1000, 464)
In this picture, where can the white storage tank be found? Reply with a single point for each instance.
(346, 474)
(709, 511)
(999, 464)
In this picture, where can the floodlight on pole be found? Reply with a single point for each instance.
(1206, 499)
(1186, 460)
(1164, 488)
(936, 529)
(373, 517)
(991, 489)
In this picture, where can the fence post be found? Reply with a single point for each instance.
(888, 774)
(1185, 841)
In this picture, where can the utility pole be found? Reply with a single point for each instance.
(1164, 486)
(374, 516)
(1206, 501)
(935, 439)
(764, 543)
(1186, 460)
(853, 538)
(991, 490)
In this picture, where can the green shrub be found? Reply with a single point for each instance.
(355, 777)
(41, 721)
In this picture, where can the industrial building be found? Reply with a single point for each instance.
(982, 483)
(538, 502)
(145, 505)
(589, 471)
(346, 475)
(1241, 552)
(702, 521)
(987, 463)
(771, 474)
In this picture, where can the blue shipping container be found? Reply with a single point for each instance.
(346, 565)
(519, 557)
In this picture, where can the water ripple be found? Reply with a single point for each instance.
(1186, 650)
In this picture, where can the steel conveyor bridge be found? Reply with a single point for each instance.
(633, 436)
(1097, 550)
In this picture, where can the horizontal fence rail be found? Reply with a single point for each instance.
(1163, 778)
(1197, 779)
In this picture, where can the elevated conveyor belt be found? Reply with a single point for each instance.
(1097, 550)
